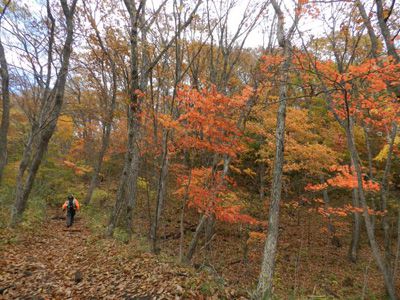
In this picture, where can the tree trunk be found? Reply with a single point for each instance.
(370, 28)
(390, 46)
(391, 50)
(355, 234)
(265, 281)
(195, 239)
(131, 163)
(388, 279)
(5, 118)
(208, 235)
(384, 194)
(161, 189)
(119, 199)
(24, 190)
(131, 190)
(370, 166)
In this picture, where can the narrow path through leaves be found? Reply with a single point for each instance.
(60, 263)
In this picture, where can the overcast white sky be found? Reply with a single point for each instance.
(256, 39)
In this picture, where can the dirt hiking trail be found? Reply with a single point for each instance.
(54, 262)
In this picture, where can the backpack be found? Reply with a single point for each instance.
(71, 205)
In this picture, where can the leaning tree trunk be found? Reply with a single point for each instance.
(161, 189)
(5, 118)
(195, 239)
(390, 45)
(384, 195)
(386, 272)
(46, 133)
(112, 223)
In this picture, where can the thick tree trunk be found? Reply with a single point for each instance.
(134, 116)
(127, 189)
(5, 118)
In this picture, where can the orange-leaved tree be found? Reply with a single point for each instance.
(207, 128)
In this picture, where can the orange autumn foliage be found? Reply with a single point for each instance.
(77, 169)
(345, 178)
(363, 92)
(208, 124)
(347, 210)
(209, 194)
(208, 121)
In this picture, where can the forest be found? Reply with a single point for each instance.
(211, 149)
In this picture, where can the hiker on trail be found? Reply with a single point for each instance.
(71, 205)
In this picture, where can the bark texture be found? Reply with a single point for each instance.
(265, 280)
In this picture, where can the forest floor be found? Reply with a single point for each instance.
(54, 262)
(309, 265)
(49, 261)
